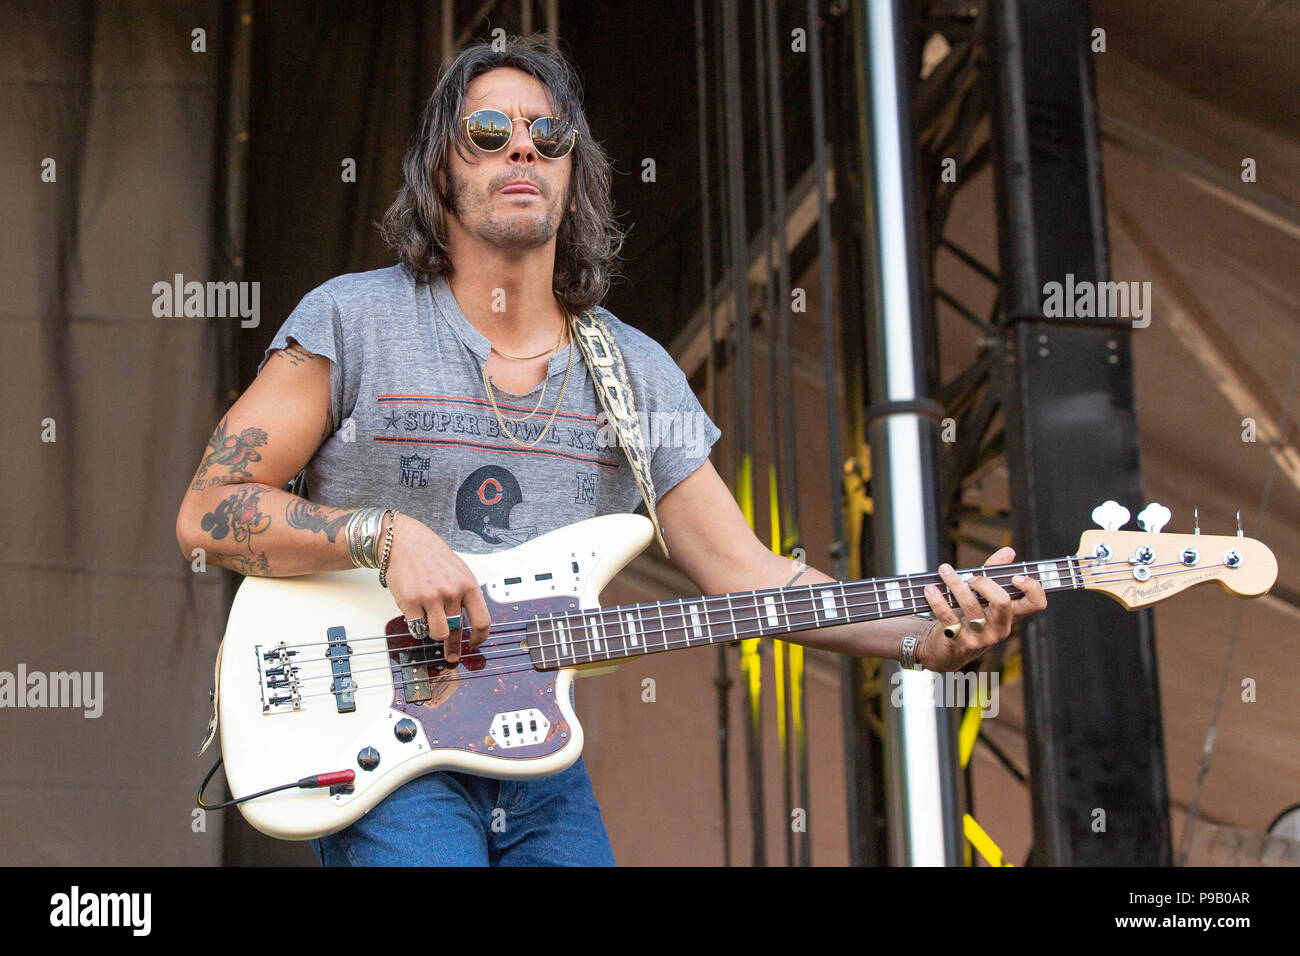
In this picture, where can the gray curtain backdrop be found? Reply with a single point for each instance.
(92, 580)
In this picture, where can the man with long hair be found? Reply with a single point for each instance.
(439, 403)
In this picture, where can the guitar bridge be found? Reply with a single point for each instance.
(277, 678)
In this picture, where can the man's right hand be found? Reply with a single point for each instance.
(429, 580)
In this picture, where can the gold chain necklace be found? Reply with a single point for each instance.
(525, 358)
(546, 380)
(487, 386)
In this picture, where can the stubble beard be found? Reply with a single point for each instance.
(504, 232)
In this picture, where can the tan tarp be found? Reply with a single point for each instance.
(92, 579)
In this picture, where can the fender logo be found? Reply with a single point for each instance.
(1157, 586)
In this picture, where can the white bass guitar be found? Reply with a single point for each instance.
(326, 701)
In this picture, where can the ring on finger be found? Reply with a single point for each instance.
(977, 624)
(418, 627)
(952, 630)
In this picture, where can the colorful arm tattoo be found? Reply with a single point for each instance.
(238, 516)
(309, 517)
(233, 452)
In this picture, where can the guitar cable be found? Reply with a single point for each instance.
(333, 778)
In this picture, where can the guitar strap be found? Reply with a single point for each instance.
(605, 362)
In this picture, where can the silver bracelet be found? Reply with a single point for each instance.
(362, 532)
(908, 658)
(350, 532)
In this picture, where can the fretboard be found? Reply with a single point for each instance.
(629, 630)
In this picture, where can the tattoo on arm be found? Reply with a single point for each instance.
(238, 517)
(257, 565)
(233, 452)
(295, 353)
(309, 517)
(329, 424)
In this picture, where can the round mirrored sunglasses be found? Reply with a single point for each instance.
(490, 131)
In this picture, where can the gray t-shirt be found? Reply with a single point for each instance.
(414, 429)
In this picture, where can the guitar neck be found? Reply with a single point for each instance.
(631, 630)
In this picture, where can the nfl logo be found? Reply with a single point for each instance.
(415, 471)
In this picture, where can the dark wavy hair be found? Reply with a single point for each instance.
(589, 238)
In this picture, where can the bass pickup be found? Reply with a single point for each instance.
(339, 655)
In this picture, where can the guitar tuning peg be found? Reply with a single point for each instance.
(1154, 517)
(1110, 514)
(1196, 521)
(1239, 531)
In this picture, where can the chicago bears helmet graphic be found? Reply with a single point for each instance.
(483, 504)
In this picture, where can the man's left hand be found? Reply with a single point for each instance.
(938, 652)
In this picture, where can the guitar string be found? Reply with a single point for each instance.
(912, 587)
(1001, 567)
(547, 623)
(497, 670)
(1084, 565)
(510, 627)
(580, 619)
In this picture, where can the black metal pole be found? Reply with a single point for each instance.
(741, 372)
(1096, 746)
(722, 681)
(791, 535)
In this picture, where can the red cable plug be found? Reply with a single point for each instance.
(327, 779)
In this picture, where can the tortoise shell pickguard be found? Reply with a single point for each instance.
(456, 703)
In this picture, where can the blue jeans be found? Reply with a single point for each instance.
(446, 818)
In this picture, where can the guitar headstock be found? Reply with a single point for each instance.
(1138, 568)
